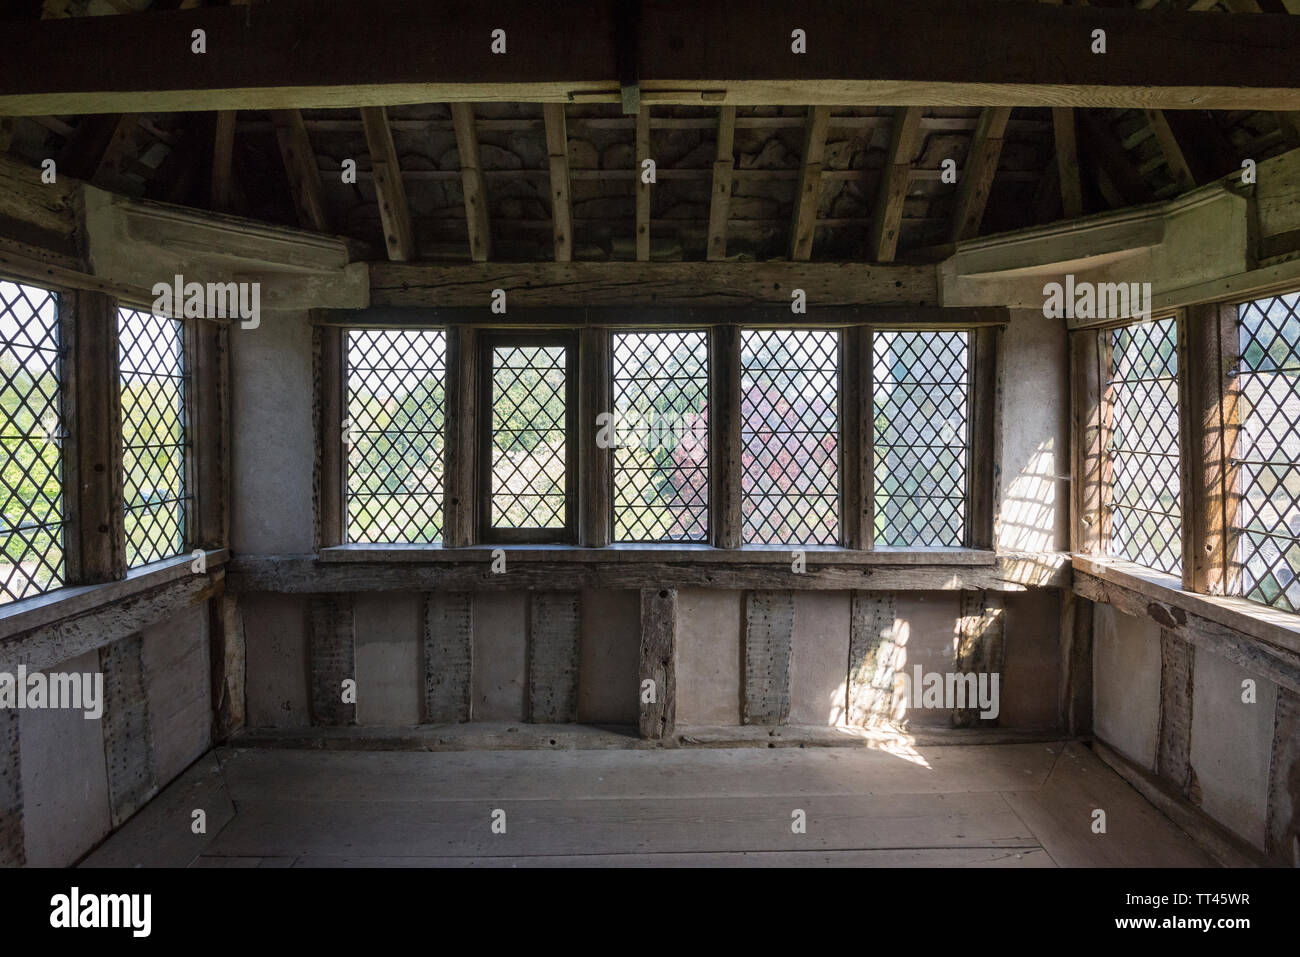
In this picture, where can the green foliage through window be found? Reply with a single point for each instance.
(31, 441)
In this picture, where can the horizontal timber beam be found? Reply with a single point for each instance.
(304, 574)
(652, 284)
(578, 316)
(346, 53)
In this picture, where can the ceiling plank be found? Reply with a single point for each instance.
(557, 146)
(887, 217)
(642, 187)
(720, 203)
(981, 168)
(352, 54)
(471, 182)
(300, 166)
(394, 213)
(1067, 162)
(7, 125)
(803, 228)
(1174, 158)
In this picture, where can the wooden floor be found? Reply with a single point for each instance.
(1009, 805)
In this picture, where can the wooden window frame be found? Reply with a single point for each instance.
(566, 534)
(588, 333)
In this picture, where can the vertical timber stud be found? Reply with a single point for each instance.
(1086, 449)
(873, 656)
(471, 182)
(1212, 417)
(394, 213)
(658, 663)
(723, 167)
(980, 649)
(96, 520)
(642, 187)
(595, 463)
(461, 439)
(332, 660)
(1282, 821)
(985, 437)
(554, 623)
(557, 145)
(1074, 692)
(128, 736)
(208, 350)
(803, 229)
(725, 458)
(769, 643)
(448, 656)
(1067, 162)
(1174, 737)
(895, 179)
(229, 665)
(328, 375)
(12, 848)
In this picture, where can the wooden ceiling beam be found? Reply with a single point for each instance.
(887, 217)
(471, 183)
(394, 213)
(1067, 162)
(300, 166)
(803, 228)
(981, 168)
(347, 53)
(723, 168)
(557, 146)
(1175, 160)
(642, 187)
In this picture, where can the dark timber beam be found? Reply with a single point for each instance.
(977, 177)
(887, 219)
(300, 167)
(389, 190)
(557, 146)
(471, 182)
(804, 227)
(345, 53)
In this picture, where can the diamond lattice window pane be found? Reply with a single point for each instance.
(31, 443)
(152, 382)
(660, 436)
(396, 398)
(1145, 494)
(790, 437)
(1268, 526)
(920, 389)
(529, 440)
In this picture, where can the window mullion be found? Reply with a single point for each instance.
(96, 430)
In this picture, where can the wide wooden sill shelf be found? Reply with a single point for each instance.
(753, 554)
(1271, 625)
(39, 611)
(368, 568)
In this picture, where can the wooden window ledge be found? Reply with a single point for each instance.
(753, 554)
(1271, 625)
(54, 606)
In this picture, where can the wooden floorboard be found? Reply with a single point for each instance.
(1061, 814)
(923, 857)
(625, 826)
(1009, 805)
(265, 775)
